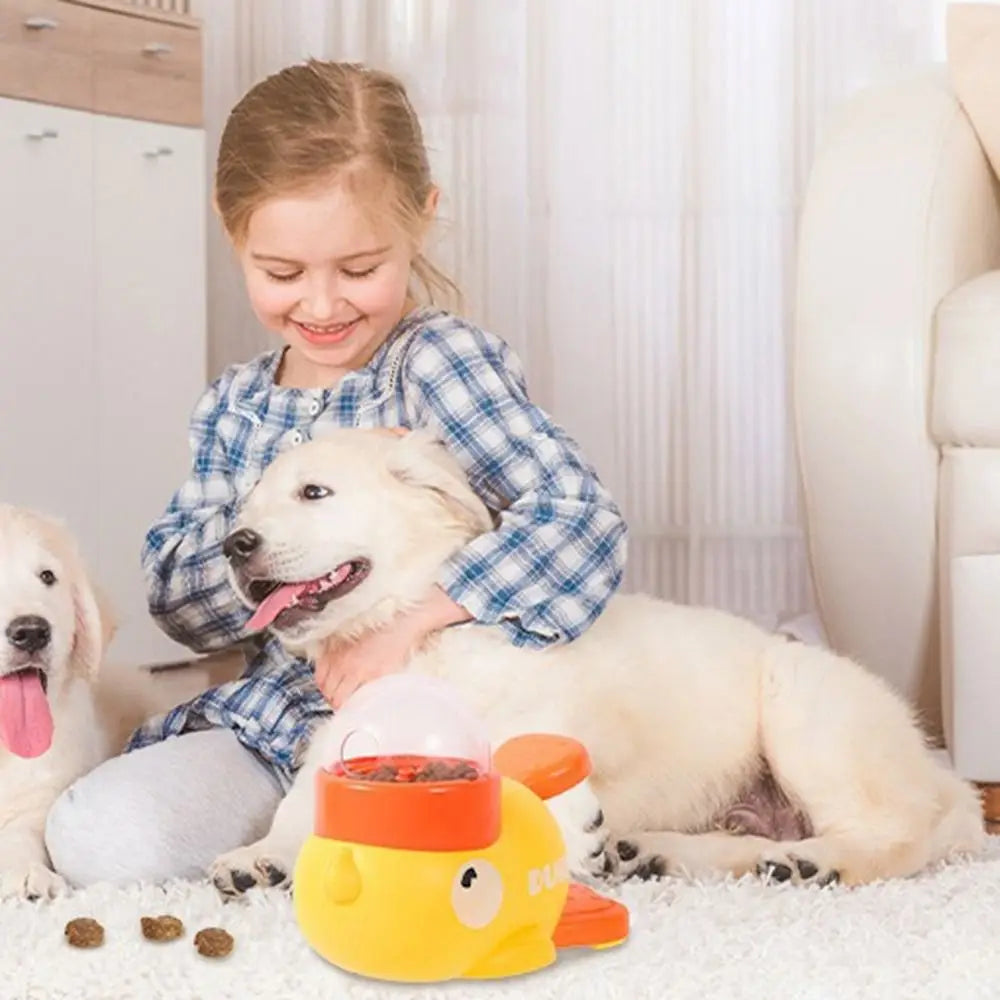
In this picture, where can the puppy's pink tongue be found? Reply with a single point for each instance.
(285, 595)
(275, 603)
(25, 718)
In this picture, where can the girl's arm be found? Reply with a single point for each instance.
(558, 553)
(187, 589)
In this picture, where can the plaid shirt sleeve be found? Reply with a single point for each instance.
(558, 553)
(187, 589)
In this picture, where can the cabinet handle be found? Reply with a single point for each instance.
(38, 23)
(43, 133)
(157, 49)
(159, 151)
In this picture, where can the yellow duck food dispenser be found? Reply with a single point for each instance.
(429, 859)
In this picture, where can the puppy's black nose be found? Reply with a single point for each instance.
(241, 545)
(29, 633)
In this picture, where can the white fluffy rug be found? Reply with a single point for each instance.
(935, 936)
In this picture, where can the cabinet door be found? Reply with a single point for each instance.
(151, 347)
(48, 363)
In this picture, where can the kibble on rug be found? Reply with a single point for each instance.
(933, 937)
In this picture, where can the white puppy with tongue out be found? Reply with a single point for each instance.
(60, 715)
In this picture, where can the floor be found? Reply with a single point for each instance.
(933, 937)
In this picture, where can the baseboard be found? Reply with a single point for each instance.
(222, 667)
(991, 805)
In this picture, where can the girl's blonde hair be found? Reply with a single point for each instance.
(316, 121)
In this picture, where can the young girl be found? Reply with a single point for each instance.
(324, 189)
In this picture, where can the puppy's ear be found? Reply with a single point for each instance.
(419, 460)
(95, 625)
(109, 621)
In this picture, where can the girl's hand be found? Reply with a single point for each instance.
(344, 666)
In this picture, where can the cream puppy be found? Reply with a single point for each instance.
(716, 746)
(61, 713)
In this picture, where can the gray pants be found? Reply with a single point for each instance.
(165, 811)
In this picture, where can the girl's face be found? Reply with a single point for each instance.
(331, 281)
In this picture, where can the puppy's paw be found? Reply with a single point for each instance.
(630, 859)
(783, 866)
(236, 873)
(581, 821)
(33, 881)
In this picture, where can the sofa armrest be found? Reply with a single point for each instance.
(965, 412)
(901, 208)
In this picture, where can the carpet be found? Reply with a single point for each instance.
(934, 936)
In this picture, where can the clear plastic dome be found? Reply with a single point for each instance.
(407, 715)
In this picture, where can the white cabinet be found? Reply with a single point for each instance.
(102, 293)
(48, 401)
(149, 314)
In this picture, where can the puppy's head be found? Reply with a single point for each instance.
(52, 626)
(342, 532)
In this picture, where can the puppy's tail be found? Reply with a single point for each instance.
(960, 829)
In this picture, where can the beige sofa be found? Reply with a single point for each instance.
(896, 401)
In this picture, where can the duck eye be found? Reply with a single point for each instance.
(47, 577)
(476, 894)
(313, 491)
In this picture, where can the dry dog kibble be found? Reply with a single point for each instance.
(84, 932)
(434, 770)
(213, 942)
(441, 770)
(430, 770)
(163, 928)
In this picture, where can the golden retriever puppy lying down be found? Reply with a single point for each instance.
(61, 712)
(716, 746)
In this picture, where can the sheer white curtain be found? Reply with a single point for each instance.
(621, 183)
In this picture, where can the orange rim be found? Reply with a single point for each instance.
(548, 765)
(451, 815)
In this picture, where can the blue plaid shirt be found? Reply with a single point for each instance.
(542, 576)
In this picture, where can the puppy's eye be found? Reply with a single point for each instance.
(47, 577)
(312, 491)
